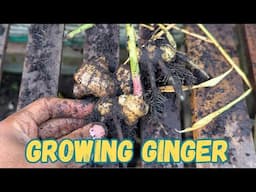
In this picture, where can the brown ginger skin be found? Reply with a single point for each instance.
(93, 79)
(131, 108)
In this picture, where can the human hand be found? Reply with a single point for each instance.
(49, 118)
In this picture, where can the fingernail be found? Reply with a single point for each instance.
(97, 131)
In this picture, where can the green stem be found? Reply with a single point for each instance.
(133, 55)
(78, 30)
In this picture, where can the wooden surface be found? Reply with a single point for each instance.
(234, 125)
(42, 63)
(170, 118)
(4, 30)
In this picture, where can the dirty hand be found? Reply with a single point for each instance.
(44, 118)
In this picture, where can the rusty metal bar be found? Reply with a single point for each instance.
(4, 30)
(170, 118)
(42, 63)
(234, 125)
(250, 37)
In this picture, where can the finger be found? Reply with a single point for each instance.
(92, 130)
(56, 128)
(50, 107)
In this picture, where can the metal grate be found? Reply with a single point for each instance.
(19, 34)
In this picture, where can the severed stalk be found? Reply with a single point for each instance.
(168, 36)
(78, 30)
(133, 56)
(160, 33)
(147, 26)
(174, 26)
(191, 34)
